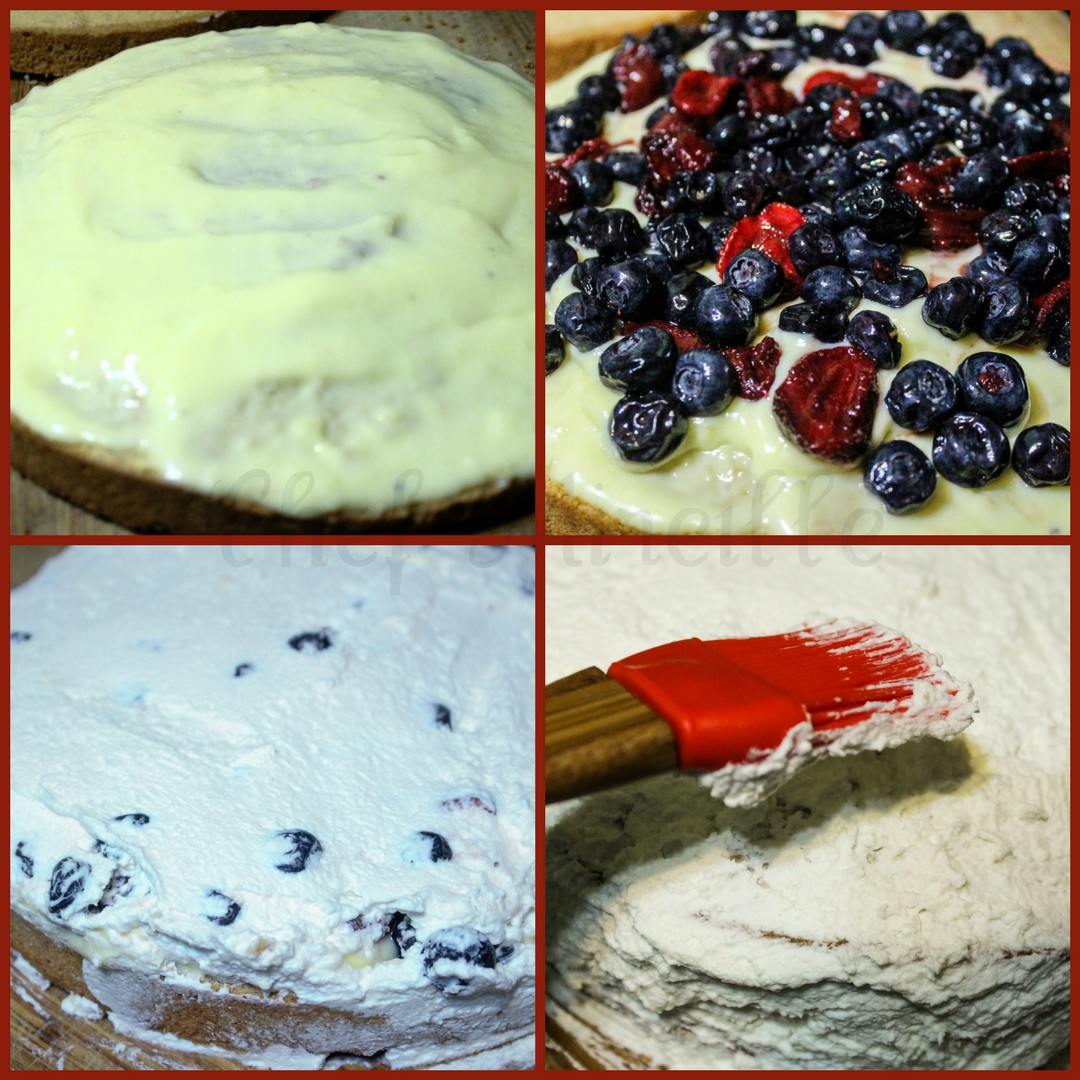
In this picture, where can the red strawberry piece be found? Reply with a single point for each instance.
(826, 405)
(1042, 165)
(672, 145)
(684, 339)
(766, 96)
(590, 150)
(768, 232)
(561, 192)
(846, 121)
(640, 79)
(466, 802)
(1059, 131)
(701, 93)
(945, 224)
(755, 366)
(861, 86)
(1051, 310)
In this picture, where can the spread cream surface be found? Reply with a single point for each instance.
(161, 682)
(737, 472)
(286, 264)
(905, 909)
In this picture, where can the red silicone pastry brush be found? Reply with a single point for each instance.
(749, 712)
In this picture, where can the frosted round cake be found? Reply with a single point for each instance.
(278, 802)
(288, 279)
(899, 910)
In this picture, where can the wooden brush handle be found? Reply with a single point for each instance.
(598, 735)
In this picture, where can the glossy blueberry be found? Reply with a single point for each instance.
(704, 382)
(584, 322)
(952, 308)
(1028, 195)
(1041, 455)
(554, 229)
(973, 133)
(728, 134)
(880, 208)
(647, 426)
(724, 316)
(440, 849)
(583, 274)
(1037, 264)
(863, 25)
(895, 286)
(69, 878)
(981, 179)
(598, 94)
(627, 289)
(756, 276)
(831, 286)
(769, 24)
(901, 29)
(554, 349)
(718, 233)
(595, 182)
(946, 102)
(1023, 133)
(816, 40)
(559, 256)
(993, 385)
(970, 450)
(232, 909)
(26, 863)
(682, 240)
(811, 246)
(875, 334)
(822, 321)
(627, 166)
(682, 291)
(1001, 230)
(693, 193)
(744, 195)
(441, 716)
(567, 128)
(1058, 345)
(956, 53)
(136, 819)
(1029, 73)
(1006, 312)
(300, 847)
(584, 223)
(311, 641)
(617, 233)
(643, 360)
(901, 475)
(881, 115)
(861, 253)
(877, 159)
(922, 396)
(986, 268)
(859, 51)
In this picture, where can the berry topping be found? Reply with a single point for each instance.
(584, 322)
(756, 276)
(701, 93)
(442, 717)
(768, 233)
(554, 349)
(684, 339)
(1041, 455)
(19, 636)
(301, 846)
(138, 820)
(953, 306)
(626, 288)
(993, 385)
(894, 286)
(755, 367)
(470, 802)
(559, 256)
(644, 359)
(26, 864)
(812, 245)
(1006, 312)
(638, 76)
(228, 916)
(448, 950)
(704, 382)
(311, 641)
(724, 316)
(401, 931)
(880, 208)
(922, 396)
(595, 182)
(561, 193)
(440, 849)
(682, 240)
(831, 286)
(875, 334)
(970, 450)
(822, 321)
(69, 878)
(826, 404)
(859, 85)
(647, 426)
(901, 475)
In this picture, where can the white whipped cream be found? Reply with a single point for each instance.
(737, 472)
(131, 697)
(907, 909)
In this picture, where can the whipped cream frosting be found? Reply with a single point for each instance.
(903, 909)
(304, 769)
(291, 265)
(737, 472)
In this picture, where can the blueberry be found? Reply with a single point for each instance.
(694, 193)
(598, 94)
(554, 229)
(953, 306)
(554, 349)
(136, 819)
(69, 878)
(901, 29)
(455, 945)
(895, 286)
(822, 321)
(877, 159)
(401, 931)
(627, 166)
(861, 253)
(584, 322)
(1006, 313)
(744, 195)
(617, 233)
(1023, 133)
(1037, 264)
(647, 426)
(956, 53)
(985, 269)
(682, 240)
(769, 24)
(567, 128)
(440, 849)
(1041, 455)
(901, 475)
(922, 395)
(756, 276)
(243, 669)
(19, 636)
(232, 909)
(831, 286)
(880, 208)
(970, 450)
(595, 182)
(973, 132)
(724, 316)
(718, 233)
(1058, 345)
(981, 179)
(993, 385)
(863, 25)
(627, 289)
(442, 717)
(311, 641)
(559, 256)
(875, 334)
(816, 40)
(811, 246)
(302, 846)
(643, 360)
(682, 291)
(854, 50)
(704, 382)
(119, 886)
(728, 134)
(26, 864)
(1001, 230)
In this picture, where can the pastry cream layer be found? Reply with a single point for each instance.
(291, 265)
(736, 472)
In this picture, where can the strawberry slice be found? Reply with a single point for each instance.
(561, 192)
(768, 232)
(765, 97)
(944, 223)
(860, 86)
(1042, 165)
(684, 339)
(846, 121)
(826, 405)
(591, 150)
(640, 79)
(1051, 310)
(755, 366)
(701, 93)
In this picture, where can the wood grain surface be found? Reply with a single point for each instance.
(507, 36)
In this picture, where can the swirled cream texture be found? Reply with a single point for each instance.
(304, 769)
(293, 265)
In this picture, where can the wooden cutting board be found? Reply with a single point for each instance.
(507, 36)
